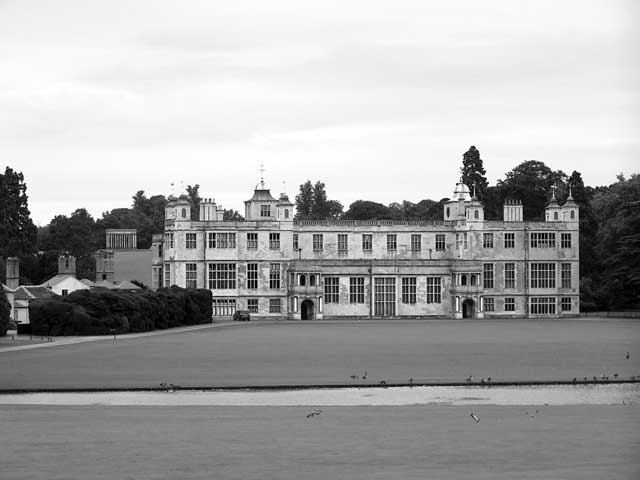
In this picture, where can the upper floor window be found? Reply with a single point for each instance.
(509, 240)
(222, 240)
(416, 242)
(191, 275)
(252, 241)
(343, 242)
(274, 241)
(565, 240)
(265, 210)
(286, 213)
(543, 240)
(440, 242)
(510, 275)
(191, 240)
(572, 215)
(487, 240)
(367, 242)
(168, 240)
(317, 242)
(392, 242)
(252, 276)
(184, 213)
(543, 275)
(295, 241)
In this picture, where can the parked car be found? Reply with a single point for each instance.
(242, 316)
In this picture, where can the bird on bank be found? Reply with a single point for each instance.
(627, 355)
(473, 415)
(469, 379)
(313, 413)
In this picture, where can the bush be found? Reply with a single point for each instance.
(101, 311)
(5, 312)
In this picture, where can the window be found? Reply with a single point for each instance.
(252, 241)
(265, 210)
(489, 304)
(392, 242)
(167, 275)
(222, 276)
(409, 289)
(184, 213)
(509, 304)
(356, 290)
(565, 276)
(65, 292)
(332, 289)
(274, 275)
(223, 307)
(222, 240)
(509, 240)
(252, 305)
(565, 240)
(440, 245)
(434, 290)
(543, 240)
(252, 276)
(487, 240)
(303, 280)
(488, 275)
(367, 242)
(286, 213)
(312, 280)
(343, 243)
(543, 305)
(416, 242)
(275, 305)
(168, 240)
(274, 241)
(295, 241)
(543, 275)
(317, 242)
(565, 304)
(191, 275)
(384, 296)
(461, 240)
(509, 275)
(573, 215)
(191, 240)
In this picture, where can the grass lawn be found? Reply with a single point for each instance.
(419, 442)
(306, 353)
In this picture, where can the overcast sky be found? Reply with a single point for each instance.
(99, 99)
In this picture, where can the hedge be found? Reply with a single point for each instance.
(5, 312)
(101, 312)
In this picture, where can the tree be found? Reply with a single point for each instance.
(304, 201)
(5, 313)
(232, 216)
(366, 210)
(17, 231)
(531, 182)
(193, 192)
(473, 172)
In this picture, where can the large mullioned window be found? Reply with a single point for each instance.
(488, 275)
(543, 240)
(509, 275)
(331, 289)
(222, 276)
(191, 275)
(434, 290)
(543, 305)
(274, 275)
(356, 290)
(252, 276)
(318, 244)
(222, 240)
(543, 275)
(440, 242)
(384, 297)
(416, 242)
(367, 242)
(409, 290)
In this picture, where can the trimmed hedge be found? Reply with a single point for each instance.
(5, 312)
(101, 311)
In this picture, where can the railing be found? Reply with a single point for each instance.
(380, 223)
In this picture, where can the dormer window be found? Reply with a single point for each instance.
(265, 210)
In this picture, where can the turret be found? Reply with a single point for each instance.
(66, 264)
(570, 209)
(262, 206)
(183, 209)
(285, 208)
(475, 209)
(455, 209)
(208, 211)
(553, 212)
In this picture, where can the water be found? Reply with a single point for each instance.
(393, 396)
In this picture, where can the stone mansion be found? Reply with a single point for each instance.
(460, 267)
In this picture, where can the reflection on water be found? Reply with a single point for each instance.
(524, 395)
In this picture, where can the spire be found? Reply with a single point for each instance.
(553, 194)
(261, 170)
(570, 197)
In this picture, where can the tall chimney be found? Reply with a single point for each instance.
(13, 272)
(66, 264)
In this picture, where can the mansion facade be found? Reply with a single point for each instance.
(462, 267)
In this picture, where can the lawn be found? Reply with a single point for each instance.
(419, 442)
(306, 353)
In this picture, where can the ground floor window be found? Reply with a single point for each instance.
(167, 275)
(356, 290)
(543, 306)
(332, 289)
(409, 285)
(489, 304)
(565, 304)
(384, 296)
(252, 305)
(191, 275)
(434, 290)
(224, 307)
(275, 305)
(509, 304)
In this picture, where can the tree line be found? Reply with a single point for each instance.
(609, 223)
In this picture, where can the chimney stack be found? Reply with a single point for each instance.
(66, 265)
(13, 272)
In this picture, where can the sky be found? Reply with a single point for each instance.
(379, 100)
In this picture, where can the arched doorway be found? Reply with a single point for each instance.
(306, 310)
(468, 309)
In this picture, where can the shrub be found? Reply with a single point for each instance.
(101, 311)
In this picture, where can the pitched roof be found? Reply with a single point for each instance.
(88, 282)
(61, 277)
(29, 292)
(126, 285)
(5, 288)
